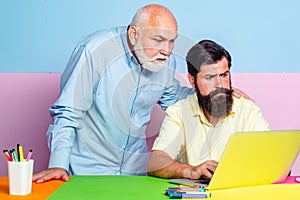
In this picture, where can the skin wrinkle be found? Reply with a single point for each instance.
(152, 34)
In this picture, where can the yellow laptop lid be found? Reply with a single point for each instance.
(256, 158)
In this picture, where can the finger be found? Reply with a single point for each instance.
(207, 173)
(38, 175)
(242, 94)
(46, 176)
(35, 177)
(65, 177)
(212, 166)
(61, 176)
(238, 94)
(209, 168)
(49, 175)
(41, 180)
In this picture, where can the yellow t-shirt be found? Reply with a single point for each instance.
(188, 137)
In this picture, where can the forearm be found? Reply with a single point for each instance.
(61, 136)
(160, 164)
(173, 93)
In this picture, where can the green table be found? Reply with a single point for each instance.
(113, 187)
(146, 187)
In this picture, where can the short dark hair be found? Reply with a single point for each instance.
(205, 52)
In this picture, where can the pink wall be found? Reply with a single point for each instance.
(24, 116)
(26, 98)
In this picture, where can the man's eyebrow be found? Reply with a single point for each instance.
(226, 72)
(159, 36)
(164, 38)
(209, 75)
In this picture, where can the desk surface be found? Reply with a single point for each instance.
(142, 188)
(39, 191)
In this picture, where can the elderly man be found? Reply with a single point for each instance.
(108, 90)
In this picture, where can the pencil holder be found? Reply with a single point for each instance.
(20, 177)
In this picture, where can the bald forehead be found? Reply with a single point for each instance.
(155, 16)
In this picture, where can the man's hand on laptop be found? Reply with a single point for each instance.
(204, 170)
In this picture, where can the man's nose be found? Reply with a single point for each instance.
(166, 49)
(218, 82)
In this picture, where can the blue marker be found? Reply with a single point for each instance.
(194, 196)
(176, 195)
(182, 195)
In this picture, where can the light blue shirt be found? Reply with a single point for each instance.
(106, 100)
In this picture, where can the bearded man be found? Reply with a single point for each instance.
(196, 130)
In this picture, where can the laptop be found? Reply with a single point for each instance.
(252, 158)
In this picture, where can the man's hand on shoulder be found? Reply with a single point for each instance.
(239, 93)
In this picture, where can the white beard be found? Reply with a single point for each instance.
(149, 63)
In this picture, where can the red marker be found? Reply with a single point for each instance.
(7, 156)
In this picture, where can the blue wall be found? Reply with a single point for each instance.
(262, 36)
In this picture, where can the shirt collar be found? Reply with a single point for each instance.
(129, 56)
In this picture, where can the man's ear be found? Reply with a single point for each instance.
(192, 81)
(133, 35)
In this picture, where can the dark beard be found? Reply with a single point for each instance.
(217, 106)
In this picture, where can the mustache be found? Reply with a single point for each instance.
(161, 57)
(220, 91)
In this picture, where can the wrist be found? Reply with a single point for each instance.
(187, 172)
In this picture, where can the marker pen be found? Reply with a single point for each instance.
(187, 188)
(21, 155)
(176, 195)
(29, 155)
(191, 196)
(12, 155)
(18, 152)
(7, 156)
(15, 155)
